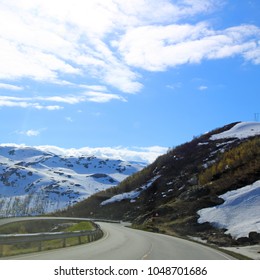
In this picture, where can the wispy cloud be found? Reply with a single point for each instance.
(69, 119)
(25, 102)
(10, 87)
(142, 154)
(156, 48)
(30, 132)
(77, 47)
(112, 41)
(94, 87)
(88, 96)
(174, 86)
(202, 87)
(39, 102)
(101, 97)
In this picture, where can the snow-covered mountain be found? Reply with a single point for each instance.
(36, 182)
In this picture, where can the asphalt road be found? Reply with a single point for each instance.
(122, 243)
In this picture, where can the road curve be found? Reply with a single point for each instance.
(122, 243)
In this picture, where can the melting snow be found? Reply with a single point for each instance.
(129, 195)
(239, 214)
(241, 130)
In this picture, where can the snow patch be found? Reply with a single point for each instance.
(241, 130)
(129, 195)
(239, 214)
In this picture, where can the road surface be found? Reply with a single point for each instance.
(122, 243)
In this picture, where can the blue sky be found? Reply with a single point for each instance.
(125, 78)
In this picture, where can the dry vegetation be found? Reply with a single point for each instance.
(192, 176)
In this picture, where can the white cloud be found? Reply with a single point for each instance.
(202, 87)
(45, 40)
(143, 154)
(88, 96)
(25, 102)
(10, 87)
(30, 132)
(174, 86)
(94, 87)
(69, 99)
(112, 40)
(253, 54)
(100, 97)
(69, 119)
(156, 48)
(39, 102)
(49, 107)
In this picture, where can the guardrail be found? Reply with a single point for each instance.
(12, 239)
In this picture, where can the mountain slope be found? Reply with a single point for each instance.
(34, 182)
(239, 213)
(167, 195)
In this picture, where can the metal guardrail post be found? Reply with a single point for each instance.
(40, 246)
(64, 243)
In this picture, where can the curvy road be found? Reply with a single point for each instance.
(123, 243)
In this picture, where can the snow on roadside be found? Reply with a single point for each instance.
(241, 130)
(239, 214)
